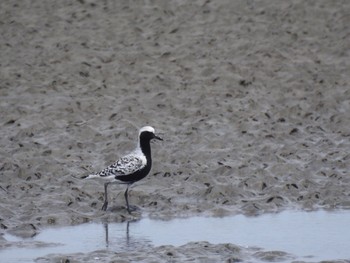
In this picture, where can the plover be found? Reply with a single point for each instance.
(130, 168)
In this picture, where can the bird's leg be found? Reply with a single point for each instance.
(129, 207)
(126, 199)
(105, 204)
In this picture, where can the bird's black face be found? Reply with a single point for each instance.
(147, 136)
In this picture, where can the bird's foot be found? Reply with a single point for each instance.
(132, 208)
(104, 207)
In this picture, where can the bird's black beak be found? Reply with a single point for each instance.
(158, 138)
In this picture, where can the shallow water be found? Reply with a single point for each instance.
(312, 236)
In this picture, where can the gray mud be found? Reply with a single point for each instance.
(252, 98)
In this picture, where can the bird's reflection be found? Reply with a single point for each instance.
(127, 235)
(116, 240)
(105, 225)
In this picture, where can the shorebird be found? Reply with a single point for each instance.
(130, 168)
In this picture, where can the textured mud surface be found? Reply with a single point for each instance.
(252, 98)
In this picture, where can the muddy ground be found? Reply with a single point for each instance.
(252, 99)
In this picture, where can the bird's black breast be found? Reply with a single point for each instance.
(137, 175)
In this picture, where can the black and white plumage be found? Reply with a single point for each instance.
(130, 168)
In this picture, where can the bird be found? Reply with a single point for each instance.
(130, 168)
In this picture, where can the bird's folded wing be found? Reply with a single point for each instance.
(124, 166)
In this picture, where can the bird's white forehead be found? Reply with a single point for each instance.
(147, 128)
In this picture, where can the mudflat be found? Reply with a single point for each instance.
(252, 99)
